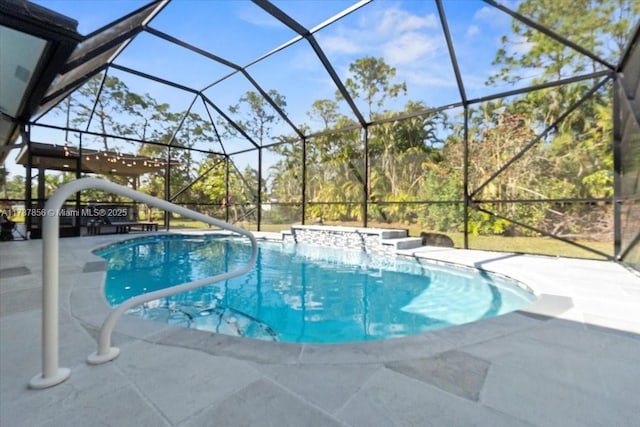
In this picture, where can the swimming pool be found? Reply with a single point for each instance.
(300, 293)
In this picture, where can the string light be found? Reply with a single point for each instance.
(130, 160)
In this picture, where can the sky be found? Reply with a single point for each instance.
(407, 34)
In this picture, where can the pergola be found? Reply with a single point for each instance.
(68, 159)
(66, 61)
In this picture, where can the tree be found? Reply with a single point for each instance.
(16, 187)
(256, 117)
(326, 110)
(335, 167)
(576, 159)
(53, 181)
(260, 115)
(194, 130)
(600, 27)
(400, 149)
(108, 102)
(149, 117)
(286, 173)
(211, 185)
(371, 80)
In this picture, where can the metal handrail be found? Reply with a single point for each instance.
(52, 374)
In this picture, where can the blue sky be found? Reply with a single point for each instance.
(407, 34)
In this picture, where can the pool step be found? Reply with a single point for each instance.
(403, 242)
(392, 234)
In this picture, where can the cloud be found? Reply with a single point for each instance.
(485, 13)
(410, 42)
(408, 47)
(472, 31)
(433, 78)
(257, 17)
(397, 20)
(305, 60)
(400, 36)
(341, 45)
(492, 16)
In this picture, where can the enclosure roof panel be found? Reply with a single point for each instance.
(34, 43)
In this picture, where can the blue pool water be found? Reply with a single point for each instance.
(299, 293)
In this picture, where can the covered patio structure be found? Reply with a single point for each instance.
(80, 161)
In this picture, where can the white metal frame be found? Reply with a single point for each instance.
(52, 374)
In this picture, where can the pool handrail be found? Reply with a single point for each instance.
(52, 374)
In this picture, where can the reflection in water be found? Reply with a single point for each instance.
(221, 320)
(299, 293)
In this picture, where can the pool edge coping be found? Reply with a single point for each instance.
(546, 307)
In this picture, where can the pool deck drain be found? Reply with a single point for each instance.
(570, 360)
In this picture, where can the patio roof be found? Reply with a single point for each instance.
(64, 158)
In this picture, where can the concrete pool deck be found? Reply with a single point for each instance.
(570, 360)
